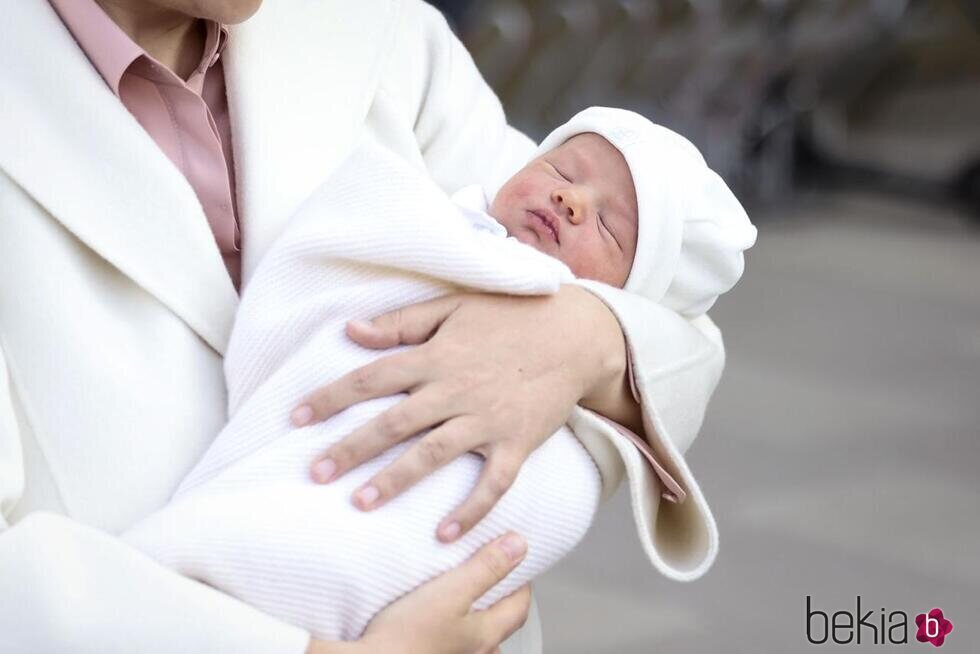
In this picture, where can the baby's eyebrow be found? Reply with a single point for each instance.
(554, 163)
(581, 161)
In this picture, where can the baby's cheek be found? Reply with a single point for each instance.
(579, 262)
(592, 261)
(510, 198)
(526, 190)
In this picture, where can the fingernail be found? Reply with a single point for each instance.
(301, 415)
(323, 470)
(451, 531)
(363, 325)
(367, 495)
(514, 546)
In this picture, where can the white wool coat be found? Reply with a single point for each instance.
(115, 307)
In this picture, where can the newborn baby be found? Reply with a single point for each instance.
(577, 204)
(248, 519)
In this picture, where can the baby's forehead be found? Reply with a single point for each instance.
(589, 142)
(595, 155)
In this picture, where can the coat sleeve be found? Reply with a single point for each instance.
(465, 139)
(459, 122)
(68, 587)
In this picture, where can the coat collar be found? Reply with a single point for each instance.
(111, 50)
(299, 83)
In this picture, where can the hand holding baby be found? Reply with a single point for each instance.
(501, 399)
(436, 618)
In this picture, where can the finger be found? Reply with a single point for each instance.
(499, 473)
(409, 325)
(469, 581)
(505, 617)
(419, 411)
(386, 376)
(434, 450)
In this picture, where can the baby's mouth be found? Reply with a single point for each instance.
(542, 221)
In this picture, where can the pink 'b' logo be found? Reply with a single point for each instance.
(933, 627)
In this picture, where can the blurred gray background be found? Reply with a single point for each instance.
(841, 451)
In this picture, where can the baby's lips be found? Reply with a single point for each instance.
(540, 226)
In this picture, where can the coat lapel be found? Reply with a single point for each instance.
(69, 142)
(300, 80)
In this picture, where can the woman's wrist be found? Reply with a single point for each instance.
(607, 389)
(602, 358)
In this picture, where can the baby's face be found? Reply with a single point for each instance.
(575, 203)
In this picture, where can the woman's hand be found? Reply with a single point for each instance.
(436, 619)
(493, 374)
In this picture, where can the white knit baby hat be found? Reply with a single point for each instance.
(692, 230)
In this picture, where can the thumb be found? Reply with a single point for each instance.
(506, 616)
(473, 578)
(409, 325)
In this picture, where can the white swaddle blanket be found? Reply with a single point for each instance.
(249, 521)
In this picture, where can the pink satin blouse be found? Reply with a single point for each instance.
(188, 119)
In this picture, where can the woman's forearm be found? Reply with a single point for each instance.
(609, 394)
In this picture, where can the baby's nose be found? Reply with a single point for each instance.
(572, 204)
